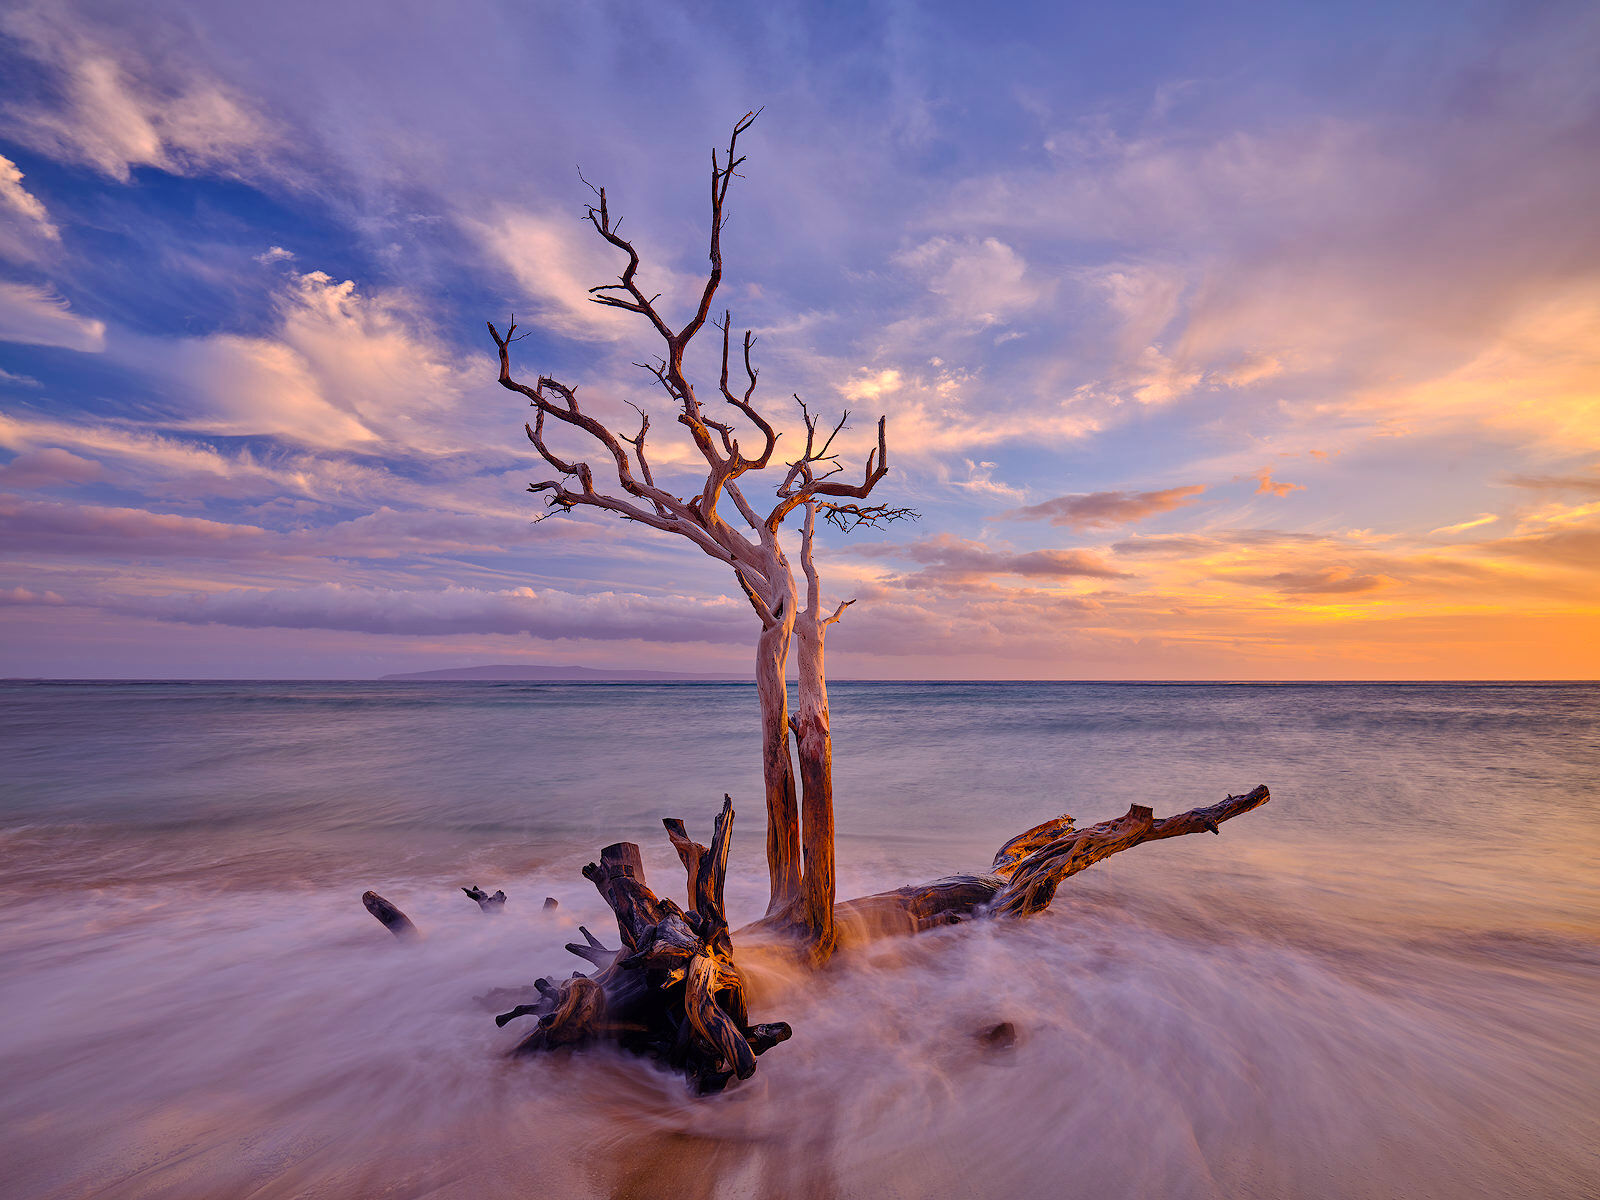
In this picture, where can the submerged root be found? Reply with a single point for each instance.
(672, 990)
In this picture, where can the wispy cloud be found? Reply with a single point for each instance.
(1477, 522)
(1100, 510)
(34, 315)
(116, 112)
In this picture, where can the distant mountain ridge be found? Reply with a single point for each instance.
(539, 673)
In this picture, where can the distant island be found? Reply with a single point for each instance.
(538, 673)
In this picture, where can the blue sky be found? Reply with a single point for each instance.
(1242, 341)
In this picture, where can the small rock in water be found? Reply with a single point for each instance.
(999, 1037)
(551, 902)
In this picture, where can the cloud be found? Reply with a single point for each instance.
(541, 613)
(982, 281)
(1325, 581)
(24, 223)
(555, 260)
(341, 369)
(871, 385)
(10, 380)
(119, 533)
(951, 561)
(1096, 510)
(1474, 523)
(1586, 485)
(35, 316)
(161, 464)
(1266, 485)
(980, 481)
(48, 468)
(21, 597)
(1532, 379)
(114, 111)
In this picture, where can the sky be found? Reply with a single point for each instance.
(1235, 341)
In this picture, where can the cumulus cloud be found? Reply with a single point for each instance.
(34, 315)
(1096, 510)
(342, 369)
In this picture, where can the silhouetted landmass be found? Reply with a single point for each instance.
(538, 673)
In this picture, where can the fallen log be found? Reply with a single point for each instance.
(1026, 871)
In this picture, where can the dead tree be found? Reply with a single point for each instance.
(722, 519)
(800, 832)
(672, 988)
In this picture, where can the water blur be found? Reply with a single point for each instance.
(1385, 983)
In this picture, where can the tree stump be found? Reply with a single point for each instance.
(672, 991)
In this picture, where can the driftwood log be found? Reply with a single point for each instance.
(673, 991)
(395, 921)
(1026, 871)
(484, 900)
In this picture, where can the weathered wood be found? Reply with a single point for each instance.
(576, 1014)
(619, 876)
(673, 991)
(1026, 872)
(395, 921)
(485, 901)
(1024, 844)
(912, 908)
(1033, 880)
(777, 764)
(599, 955)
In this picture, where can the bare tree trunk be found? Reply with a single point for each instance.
(814, 743)
(777, 767)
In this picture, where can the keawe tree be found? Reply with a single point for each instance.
(673, 990)
(799, 836)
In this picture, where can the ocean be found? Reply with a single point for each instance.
(1384, 983)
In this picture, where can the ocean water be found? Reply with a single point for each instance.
(1385, 983)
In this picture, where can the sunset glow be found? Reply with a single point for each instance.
(1209, 357)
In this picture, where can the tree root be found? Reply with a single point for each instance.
(672, 991)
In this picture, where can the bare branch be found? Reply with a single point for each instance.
(855, 516)
(838, 612)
